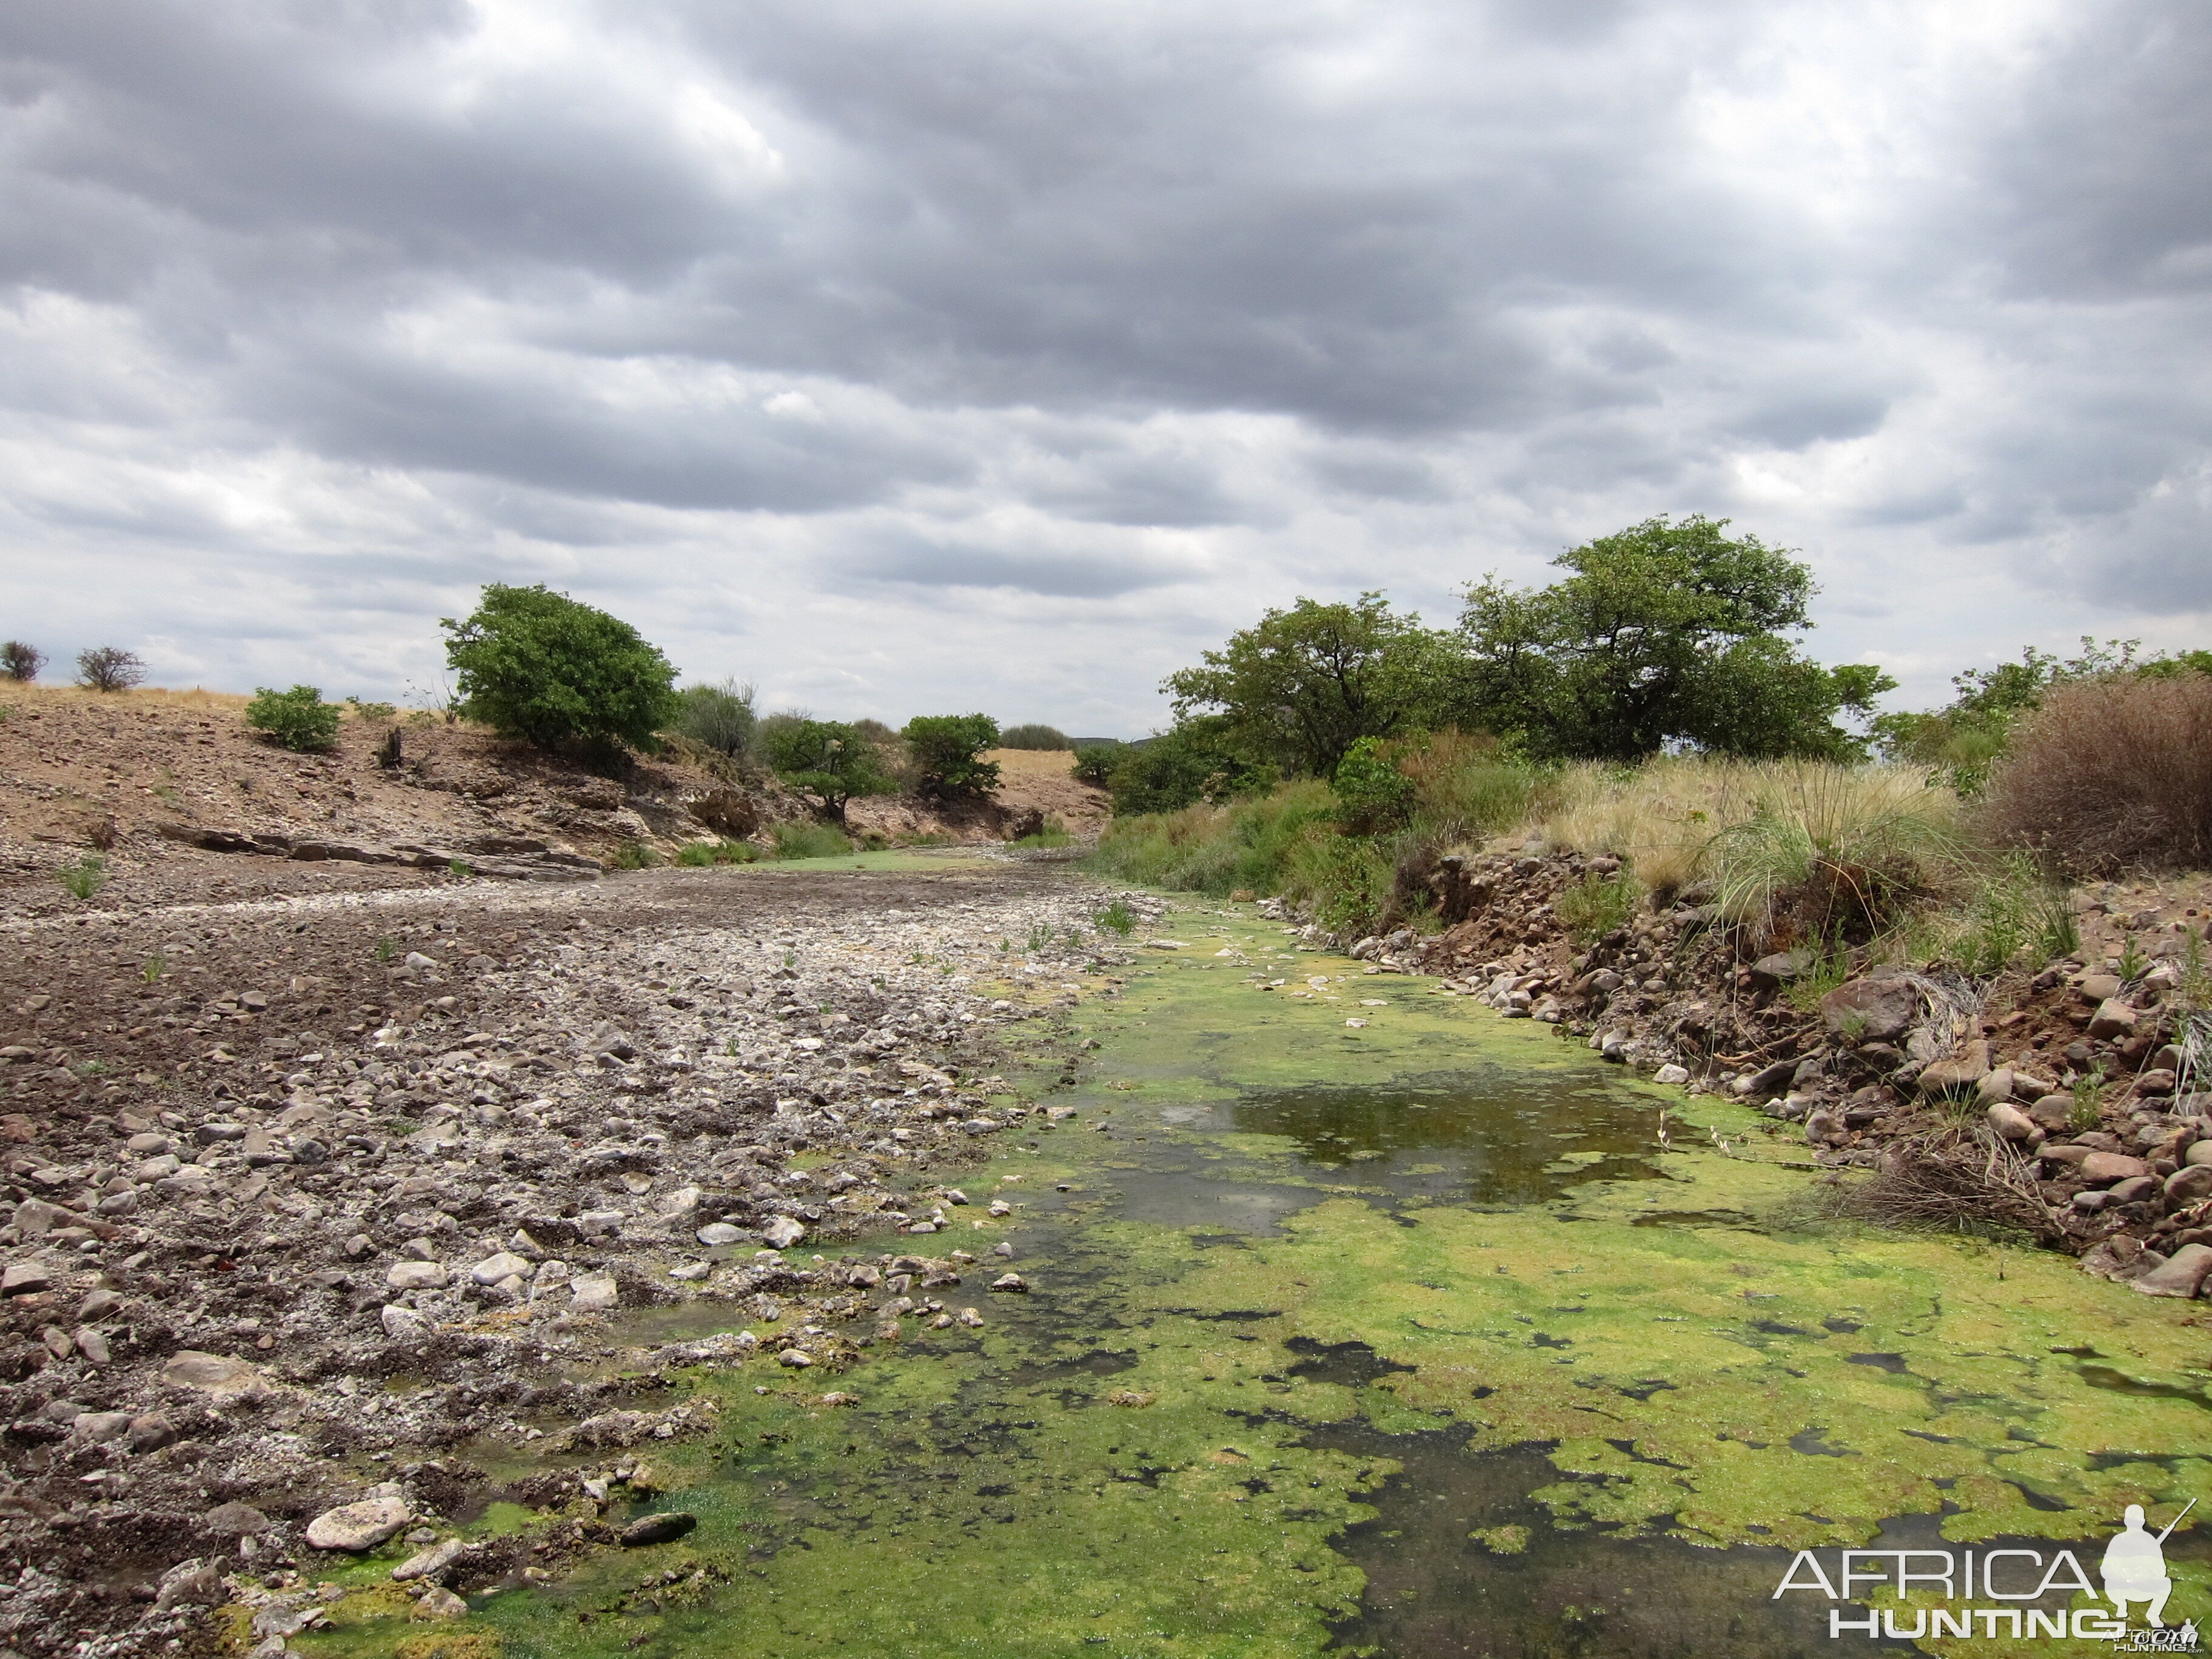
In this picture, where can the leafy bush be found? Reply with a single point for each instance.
(831, 762)
(1218, 849)
(2111, 774)
(371, 711)
(809, 841)
(109, 668)
(704, 855)
(636, 855)
(1197, 760)
(20, 661)
(1374, 795)
(1095, 763)
(1115, 918)
(1597, 904)
(542, 666)
(719, 717)
(297, 719)
(948, 754)
(86, 877)
(1033, 736)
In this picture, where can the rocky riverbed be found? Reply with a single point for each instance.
(264, 1159)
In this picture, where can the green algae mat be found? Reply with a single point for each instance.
(1363, 1321)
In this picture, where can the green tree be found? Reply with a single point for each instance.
(947, 753)
(1198, 759)
(826, 759)
(1664, 634)
(1095, 761)
(297, 719)
(1373, 793)
(1304, 684)
(540, 666)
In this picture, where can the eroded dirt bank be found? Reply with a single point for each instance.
(262, 1159)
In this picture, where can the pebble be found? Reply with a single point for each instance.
(781, 1232)
(416, 1276)
(717, 1233)
(1009, 1282)
(494, 1268)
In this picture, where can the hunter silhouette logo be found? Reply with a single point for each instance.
(2135, 1566)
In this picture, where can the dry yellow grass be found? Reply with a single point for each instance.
(197, 698)
(1661, 816)
(1032, 762)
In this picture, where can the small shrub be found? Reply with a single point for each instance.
(109, 668)
(86, 877)
(297, 719)
(1041, 937)
(1054, 833)
(1095, 763)
(455, 867)
(704, 855)
(371, 711)
(1117, 918)
(20, 661)
(2014, 911)
(810, 841)
(539, 665)
(386, 948)
(1033, 736)
(719, 717)
(1596, 905)
(636, 855)
(1375, 795)
(2133, 962)
(2111, 774)
(2083, 1116)
(1349, 880)
(153, 968)
(947, 751)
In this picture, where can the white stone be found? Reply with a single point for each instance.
(781, 1232)
(593, 1293)
(416, 1276)
(494, 1268)
(358, 1527)
(1673, 1074)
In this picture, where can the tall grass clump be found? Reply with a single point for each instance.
(2111, 773)
(1218, 849)
(1597, 904)
(1832, 853)
(809, 841)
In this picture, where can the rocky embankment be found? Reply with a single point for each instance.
(306, 1199)
(2071, 1079)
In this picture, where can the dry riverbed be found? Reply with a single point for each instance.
(267, 1161)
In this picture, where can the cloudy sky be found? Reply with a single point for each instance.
(969, 353)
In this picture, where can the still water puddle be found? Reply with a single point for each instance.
(1433, 1337)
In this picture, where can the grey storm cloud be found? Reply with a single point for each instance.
(1042, 343)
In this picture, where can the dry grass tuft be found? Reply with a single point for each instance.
(1664, 817)
(2110, 775)
(1952, 1178)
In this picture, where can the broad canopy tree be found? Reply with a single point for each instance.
(1304, 684)
(1665, 634)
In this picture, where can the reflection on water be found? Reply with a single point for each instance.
(1487, 1138)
